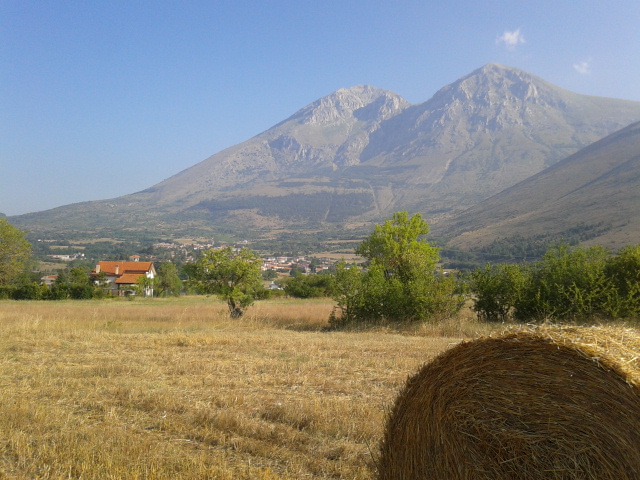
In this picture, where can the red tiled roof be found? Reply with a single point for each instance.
(109, 267)
(129, 278)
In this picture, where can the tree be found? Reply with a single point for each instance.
(101, 284)
(566, 284)
(15, 252)
(79, 276)
(269, 274)
(308, 286)
(347, 293)
(623, 270)
(497, 289)
(400, 282)
(397, 247)
(232, 275)
(168, 282)
(143, 287)
(61, 288)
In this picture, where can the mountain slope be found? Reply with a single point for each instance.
(317, 140)
(359, 154)
(488, 131)
(596, 189)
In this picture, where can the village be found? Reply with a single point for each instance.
(187, 253)
(120, 276)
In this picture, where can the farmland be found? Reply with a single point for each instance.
(156, 388)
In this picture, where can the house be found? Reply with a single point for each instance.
(67, 257)
(48, 280)
(121, 277)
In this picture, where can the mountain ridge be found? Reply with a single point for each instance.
(358, 154)
(596, 188)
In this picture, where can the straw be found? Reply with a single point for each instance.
(533, 403)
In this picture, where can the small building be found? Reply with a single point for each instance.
(121, 277)
(48, 280)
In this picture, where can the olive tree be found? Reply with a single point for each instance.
(233, 275)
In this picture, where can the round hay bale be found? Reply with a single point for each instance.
(533, 403)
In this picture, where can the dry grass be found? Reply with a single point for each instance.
(173, 389)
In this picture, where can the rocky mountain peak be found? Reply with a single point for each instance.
(496, 85)
(363, 102)
(362, 153)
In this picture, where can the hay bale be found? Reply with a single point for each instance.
(533, 403)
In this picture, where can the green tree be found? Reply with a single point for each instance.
(79, 276)
(623, 270)
(496, 290)
(80, 283)
(232, 275)
(566, 284)
(308, 286)
(144, 286)
(269, 274)
(168, 282)
(61, 288)
(15, 252)
(348, 294)
(398, 247)
(400, 281)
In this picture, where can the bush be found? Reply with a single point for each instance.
(566, 284)
(623, 270)
(58, 291)
(309, 286)
(81, 292)
(6, 292)
(400, 282)
(497, 289)
(30, 291)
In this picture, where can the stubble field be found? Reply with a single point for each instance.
(174, 389)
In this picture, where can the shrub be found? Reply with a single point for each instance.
(309, 286)
(567, 284)
(400, 282)
(497, 289)
(623, 270)
(6, 292)
(30, 291)
(81, 292)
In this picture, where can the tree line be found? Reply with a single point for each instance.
(401, 280)
(568, 283)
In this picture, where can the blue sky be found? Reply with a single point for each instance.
(103, 98)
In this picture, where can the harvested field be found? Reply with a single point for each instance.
(160, 389)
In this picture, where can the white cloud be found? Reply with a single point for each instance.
(583, 67)
(510, 39)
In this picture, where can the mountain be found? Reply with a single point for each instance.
(594, 192)
(360, 154)
(488, 131)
